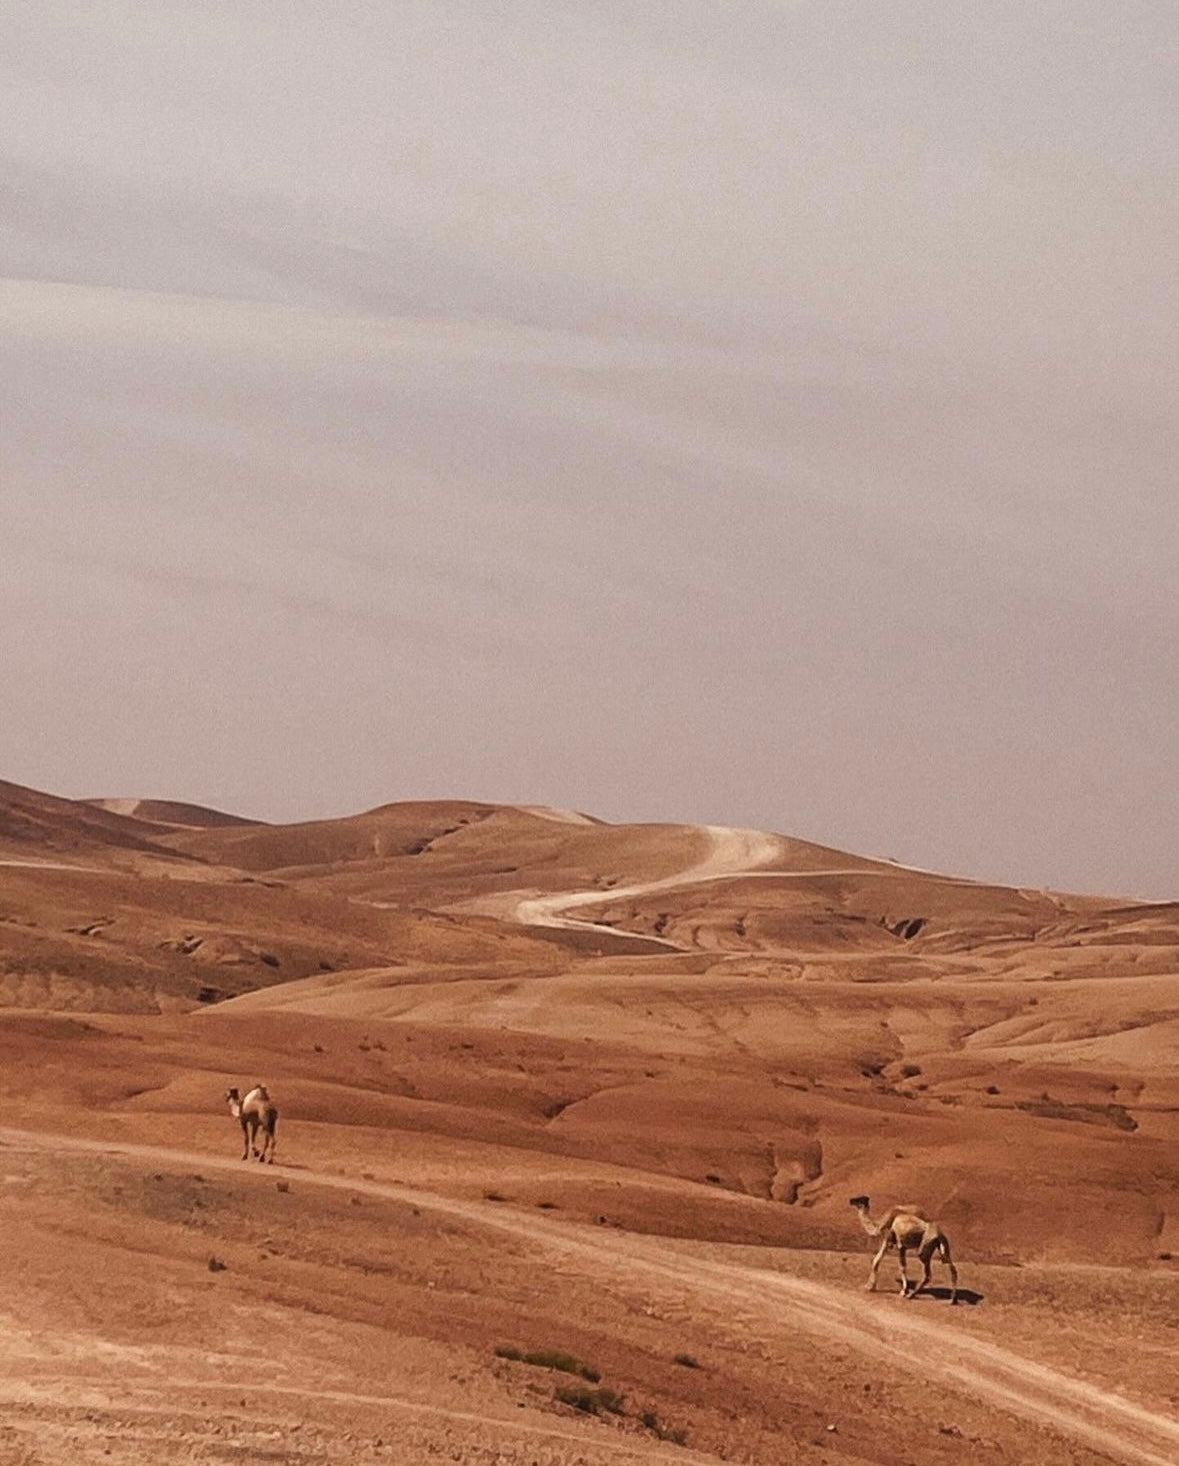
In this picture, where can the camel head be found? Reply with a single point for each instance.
(859, 1204)
(232, 1096)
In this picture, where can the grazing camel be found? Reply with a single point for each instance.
(256, 1111)
(907, 1229)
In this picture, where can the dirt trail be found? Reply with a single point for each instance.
(732, 852)
(774, 1307)
(557, 816)
(1081, 1411)
(50, 865)
(736, 854)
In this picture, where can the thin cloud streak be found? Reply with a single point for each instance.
(759, 418)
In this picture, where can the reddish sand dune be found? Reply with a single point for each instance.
(578, 1089)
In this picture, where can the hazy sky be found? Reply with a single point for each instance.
(760, 412)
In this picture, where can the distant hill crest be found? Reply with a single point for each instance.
(171, 812)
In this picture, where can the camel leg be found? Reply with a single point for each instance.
(926, 1271)
(870, 1285)
(245, 1140)
(906, 1284)
(949, 1262)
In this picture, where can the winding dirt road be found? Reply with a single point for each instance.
(775, 1309)
(735, 854)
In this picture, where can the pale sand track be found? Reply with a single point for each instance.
(775, 1308)
(732, 852)
(51, 865)
(735, 854)
(556, 816)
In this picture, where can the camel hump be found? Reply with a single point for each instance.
(910, 1215)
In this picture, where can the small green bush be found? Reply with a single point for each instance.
(550, 1359)
(663, 1432)
(591, 1402)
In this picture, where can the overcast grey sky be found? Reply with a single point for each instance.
(759, 412)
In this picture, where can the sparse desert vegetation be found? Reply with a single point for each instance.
(601, 1401)
(508, 1114)
(549, 1359)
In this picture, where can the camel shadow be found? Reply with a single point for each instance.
(965, 1295)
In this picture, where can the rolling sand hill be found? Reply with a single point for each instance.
(171, 812)
(555, 1087)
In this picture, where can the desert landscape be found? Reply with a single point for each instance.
(587, 629)
(569, 1117)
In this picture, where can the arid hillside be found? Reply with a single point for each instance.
(556, 1087)
(171, 812)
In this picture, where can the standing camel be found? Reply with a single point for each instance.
(907, 1229)
(256, 1111)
